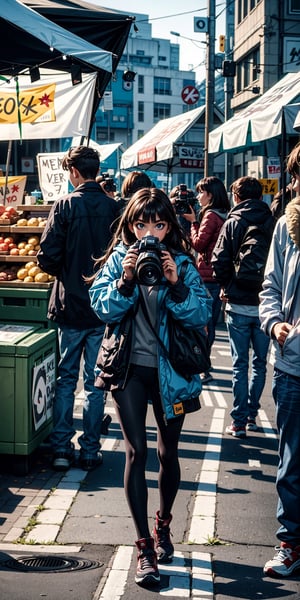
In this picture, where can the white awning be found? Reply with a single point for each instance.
(261, 120)
(156, 149)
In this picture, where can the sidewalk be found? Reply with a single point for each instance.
(223, 524)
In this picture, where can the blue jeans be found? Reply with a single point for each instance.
(73, 343)
(286, 393)
(214, 290)
(245, 332)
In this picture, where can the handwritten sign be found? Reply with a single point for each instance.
(54, 181)
(14, 190)
(270, 186)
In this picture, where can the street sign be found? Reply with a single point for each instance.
(201, 24)
(190, 94)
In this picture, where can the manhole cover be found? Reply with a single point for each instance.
(50, 564)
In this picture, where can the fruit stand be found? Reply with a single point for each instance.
(27, 338)
(24, 288)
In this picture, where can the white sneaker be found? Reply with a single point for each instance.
(285, 561)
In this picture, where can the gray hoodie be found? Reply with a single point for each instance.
(280, 296)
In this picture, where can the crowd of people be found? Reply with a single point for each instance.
(216, 255)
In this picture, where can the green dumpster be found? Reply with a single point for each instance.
(27, 375)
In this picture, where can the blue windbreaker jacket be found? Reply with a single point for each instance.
(110, 306)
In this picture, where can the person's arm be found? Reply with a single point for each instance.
(202, 234)
(190, 303)
(224, 253)
(271, 311)
(111, 294)
(51, 255)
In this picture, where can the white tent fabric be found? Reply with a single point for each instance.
(51, 107)
(296, 123)
(156, 149)
(261, 120)
(53, 35)
(105, 150)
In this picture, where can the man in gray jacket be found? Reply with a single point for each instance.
(280, 319)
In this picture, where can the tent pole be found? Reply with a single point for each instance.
(8, 157)
(282, 161)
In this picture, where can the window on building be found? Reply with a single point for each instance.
(141, 84)
(141, 112)
(248, 70)
(140, 133)
(161, 111)
(294, 6)
(162, 85)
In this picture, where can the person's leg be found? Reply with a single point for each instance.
(214, 290)
(93, 408)
(70, 349)
(239, 332)
(168, 479)
(260, 345)
(286, 392)
(167, 450)
(131, 408)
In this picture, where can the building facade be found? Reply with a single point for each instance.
(266, 46)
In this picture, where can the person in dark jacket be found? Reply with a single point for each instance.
(242, 318)
(78, 230)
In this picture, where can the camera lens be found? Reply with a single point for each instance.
(148, 268)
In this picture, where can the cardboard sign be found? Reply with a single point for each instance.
(53, 180)
(14, 190)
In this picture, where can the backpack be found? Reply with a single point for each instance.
(251, 257)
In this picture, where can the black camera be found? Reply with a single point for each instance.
(109, 183)
(148, 268)
(184, 199)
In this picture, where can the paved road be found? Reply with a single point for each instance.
(223, 520)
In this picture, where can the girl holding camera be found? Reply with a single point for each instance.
(115, 291)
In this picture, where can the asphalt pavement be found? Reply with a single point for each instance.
(71, 535)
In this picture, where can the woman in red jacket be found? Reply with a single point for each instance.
(204, 232)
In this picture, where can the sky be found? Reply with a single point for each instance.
(176, 15)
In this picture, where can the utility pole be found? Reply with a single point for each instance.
(229, 86)
(210, 85)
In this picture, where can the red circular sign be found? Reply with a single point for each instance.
(190, 94)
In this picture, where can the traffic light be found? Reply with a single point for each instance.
(222, 43)
(128, 75)
(228, 68)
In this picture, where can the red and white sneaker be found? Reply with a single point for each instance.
(285, 561)
(236, 431)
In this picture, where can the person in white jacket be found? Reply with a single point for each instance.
(279, 312)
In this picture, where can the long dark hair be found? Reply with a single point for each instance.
(148, 203)
(219, 198)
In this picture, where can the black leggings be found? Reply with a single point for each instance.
(131, 406)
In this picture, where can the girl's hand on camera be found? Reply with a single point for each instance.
(169, 267)
(191, 217)
(129, 263)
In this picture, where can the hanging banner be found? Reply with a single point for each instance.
(14, 190)
(53, 180)
(49, 108)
